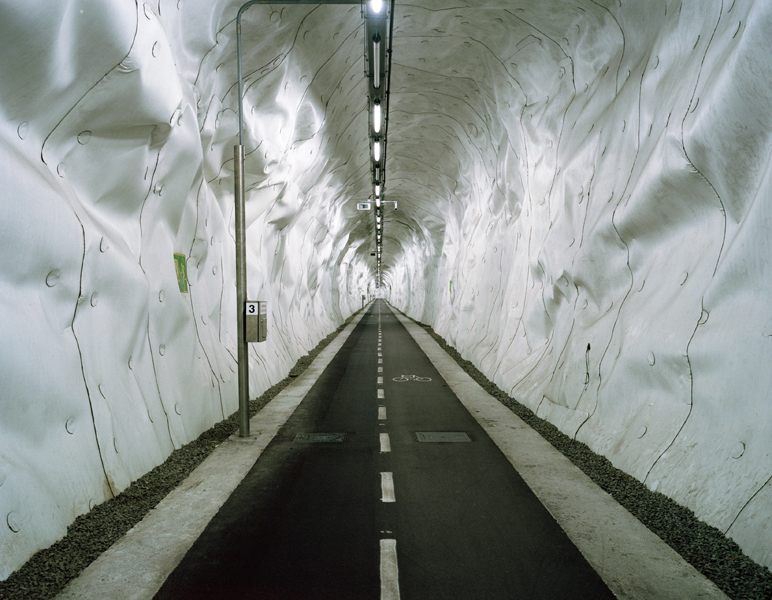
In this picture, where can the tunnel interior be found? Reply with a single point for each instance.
(581, 212)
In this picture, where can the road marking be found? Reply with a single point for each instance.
(380, 369)
(381, 413)
(380, 381)
(385, 442)
(389, 571)
(381, 394)
(387, 487)
(379, 354)
(380, 361)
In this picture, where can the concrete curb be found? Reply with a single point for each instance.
(135, 567)
(633, 561)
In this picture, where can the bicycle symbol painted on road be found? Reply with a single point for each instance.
(403, 378)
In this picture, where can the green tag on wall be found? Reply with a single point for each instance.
(181, 266)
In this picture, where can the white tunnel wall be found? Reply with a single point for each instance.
(609, 264)
(567, 173)
(117, 144)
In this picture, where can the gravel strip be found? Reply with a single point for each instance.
(708, 550)
(705, 547)
(49, 570)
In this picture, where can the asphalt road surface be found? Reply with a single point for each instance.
(382, 485)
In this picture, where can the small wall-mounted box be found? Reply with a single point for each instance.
(255, 321)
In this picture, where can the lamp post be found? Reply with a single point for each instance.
(242, 353)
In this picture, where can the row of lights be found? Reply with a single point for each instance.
(376, 19)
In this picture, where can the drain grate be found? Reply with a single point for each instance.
(316, 438)
(442, 436)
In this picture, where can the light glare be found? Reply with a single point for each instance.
(377, 117)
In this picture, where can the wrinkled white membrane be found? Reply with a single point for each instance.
(568, 174)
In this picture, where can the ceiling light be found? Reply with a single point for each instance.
(378, 225)
(377, 218)
(377, 189)
(376, 5)
(377, 116)
(377, 60)
(377, 203)
(377, 149)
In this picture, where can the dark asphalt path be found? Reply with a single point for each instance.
(309, 519)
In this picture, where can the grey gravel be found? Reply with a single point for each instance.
(49, 570)
(705, 547)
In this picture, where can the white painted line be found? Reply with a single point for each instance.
(385, 442)
(379, 354)
(389, 571)
(380, 361)
(632, 560)
(380, 369)
(381, 413)
(381, 393)
(380, 381)
(182, 516)
(387, 487)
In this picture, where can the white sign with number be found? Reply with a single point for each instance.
(251, 308)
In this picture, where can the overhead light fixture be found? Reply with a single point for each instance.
(376, 5)
(377, 189)
(377, 149)
(377, 218)
(378, 225)
(377, 60)
(377, 172)
(377, 203)
(377, 116)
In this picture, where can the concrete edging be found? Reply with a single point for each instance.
(135, 567)
(634, 562)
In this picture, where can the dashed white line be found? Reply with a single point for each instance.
(389, 570)
(387, 487)
(381, 394)
(380, 361)
(385, 442)
(380, 369)
(380, 381)
(381, 413)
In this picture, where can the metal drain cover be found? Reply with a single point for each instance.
(315, 438)
(442, 436)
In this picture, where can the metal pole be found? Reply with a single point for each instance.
(241, 291)
(242, 354)
(241, 245)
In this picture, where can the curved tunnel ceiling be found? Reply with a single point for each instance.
(461, 77)
(583, 213)
(548, 159)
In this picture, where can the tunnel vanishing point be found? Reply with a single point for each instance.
(584, 212)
